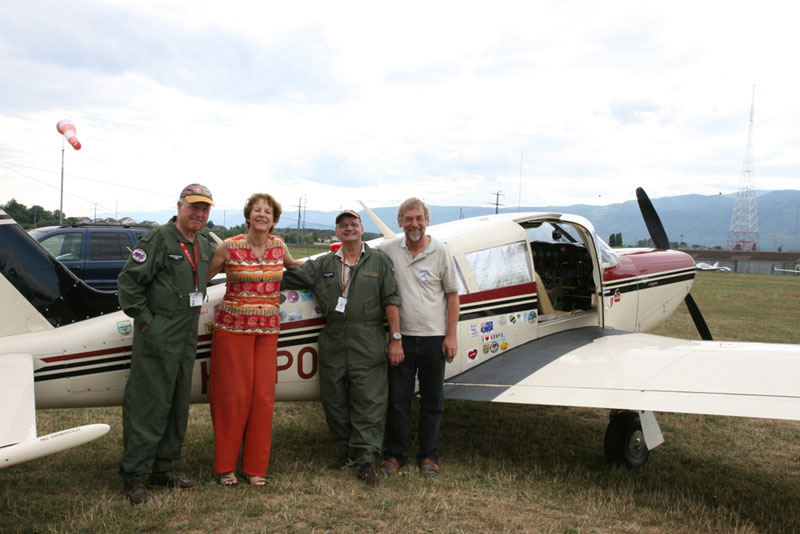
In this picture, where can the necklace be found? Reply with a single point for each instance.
(256, 245)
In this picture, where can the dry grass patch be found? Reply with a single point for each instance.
(505, 468)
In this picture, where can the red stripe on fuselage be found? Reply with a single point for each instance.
(647, 262)
(103, 352)
(528, 288)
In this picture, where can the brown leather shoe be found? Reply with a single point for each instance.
(367, 473)
(135, 491)
(171, 479)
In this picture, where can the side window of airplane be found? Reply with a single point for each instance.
(505, 265)
(64, 247)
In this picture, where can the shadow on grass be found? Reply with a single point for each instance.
(695, 474)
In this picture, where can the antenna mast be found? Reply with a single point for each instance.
(743, 233)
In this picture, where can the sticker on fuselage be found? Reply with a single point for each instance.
(124, 327)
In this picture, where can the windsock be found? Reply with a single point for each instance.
(68, 129)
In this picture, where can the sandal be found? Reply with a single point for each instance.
(257, 481)
(228, 479)
(390, 465)
(428, 468)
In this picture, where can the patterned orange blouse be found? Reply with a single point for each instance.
(252, 298)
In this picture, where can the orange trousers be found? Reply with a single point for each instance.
(241, 393)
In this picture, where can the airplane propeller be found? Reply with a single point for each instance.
(660, 239)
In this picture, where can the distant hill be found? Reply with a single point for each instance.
(693, 219)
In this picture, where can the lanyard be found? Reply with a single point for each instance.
(350, 277)
(192, 261)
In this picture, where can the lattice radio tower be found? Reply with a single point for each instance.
(743, 233)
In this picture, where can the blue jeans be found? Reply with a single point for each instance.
(425, 360)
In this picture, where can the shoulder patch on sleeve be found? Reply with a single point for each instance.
(139, 255)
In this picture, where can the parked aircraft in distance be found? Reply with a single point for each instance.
(706, 267)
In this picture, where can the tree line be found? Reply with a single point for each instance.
(35, 216)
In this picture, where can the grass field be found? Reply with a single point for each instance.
(505, 468)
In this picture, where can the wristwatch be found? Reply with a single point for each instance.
(397, 336)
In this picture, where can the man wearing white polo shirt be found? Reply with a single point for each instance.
(428, 287)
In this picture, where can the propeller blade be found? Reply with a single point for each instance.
(660, 239)
(697, 317)
(651, 220)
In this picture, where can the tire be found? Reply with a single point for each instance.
(624, 441)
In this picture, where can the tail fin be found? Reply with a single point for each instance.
(37, 291)
(385, 230)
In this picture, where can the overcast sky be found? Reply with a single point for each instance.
(549, 103)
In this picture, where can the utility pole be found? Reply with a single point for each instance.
(743, 232)
(299, 216)
(519, 199)
(497, 201)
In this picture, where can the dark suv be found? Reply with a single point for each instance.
(94, 252)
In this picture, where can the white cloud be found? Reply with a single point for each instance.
(579, 102)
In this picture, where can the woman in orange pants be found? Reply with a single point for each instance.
(244, 343)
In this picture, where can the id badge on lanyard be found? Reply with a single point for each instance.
(195, 297)
(342, 302)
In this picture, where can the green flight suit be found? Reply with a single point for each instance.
(352, 346)
(154, 288)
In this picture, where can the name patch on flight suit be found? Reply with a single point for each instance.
(370, 274)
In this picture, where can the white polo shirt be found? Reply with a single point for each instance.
(422, 283)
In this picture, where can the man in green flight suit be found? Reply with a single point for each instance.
(355, 289)
(162, 286)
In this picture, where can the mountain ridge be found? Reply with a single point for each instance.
(694, 219)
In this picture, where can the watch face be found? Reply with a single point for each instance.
(397, 335)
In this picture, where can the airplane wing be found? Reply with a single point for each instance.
(18, 441)
(605, 368)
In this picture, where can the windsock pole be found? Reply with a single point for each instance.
(61, 205)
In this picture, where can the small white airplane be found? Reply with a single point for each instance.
(550, 314)
(701, 266)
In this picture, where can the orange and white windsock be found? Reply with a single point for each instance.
(67, 128)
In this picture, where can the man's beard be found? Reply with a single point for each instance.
(414, 235)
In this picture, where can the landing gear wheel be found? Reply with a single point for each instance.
(624, 441)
